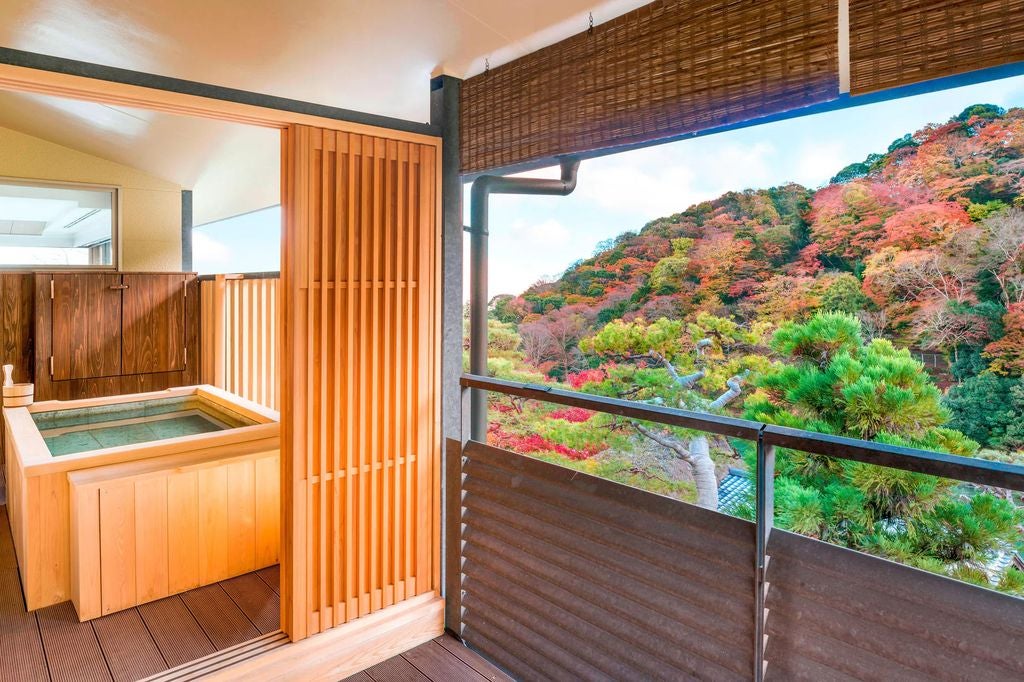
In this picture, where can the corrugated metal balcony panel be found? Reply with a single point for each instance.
(568, 576)
(833, 613)
(702, 584)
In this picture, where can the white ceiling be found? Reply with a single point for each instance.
(373, 56)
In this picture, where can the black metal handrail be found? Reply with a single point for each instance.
(711, 423)
(968, 469)
(767, 438)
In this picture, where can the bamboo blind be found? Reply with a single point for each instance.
(899, 42)
(360, 439)
(665, 69)
(240, 337)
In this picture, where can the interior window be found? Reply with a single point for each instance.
(56, 225)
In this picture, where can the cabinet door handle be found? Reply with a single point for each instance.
(118, 286)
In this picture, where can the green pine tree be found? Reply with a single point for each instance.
(833, 382)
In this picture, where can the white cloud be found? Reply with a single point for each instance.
(816, 164)
(659, 181)
(211, 252)
(524, 252)
(545, 234)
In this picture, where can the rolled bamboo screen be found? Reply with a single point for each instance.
(239, 330)
(900, 42)
(360, 440)
(668, 68)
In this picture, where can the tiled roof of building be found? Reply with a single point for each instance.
(735, 490)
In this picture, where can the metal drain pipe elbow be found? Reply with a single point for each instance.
(483, 187)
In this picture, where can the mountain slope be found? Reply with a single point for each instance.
(925, 242)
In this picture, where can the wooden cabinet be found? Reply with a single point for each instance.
(153, 323)
(107, 333)
(86, 325)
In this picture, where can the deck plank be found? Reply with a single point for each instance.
(272, 576)
(359, 677)
(72, 651)
(257, 600)
(437, 663)
(128, 647)
(176, 633)
(396, 669)
(222, 621)
(472, 659)
(21, 648)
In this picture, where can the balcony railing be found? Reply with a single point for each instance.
(562, 574)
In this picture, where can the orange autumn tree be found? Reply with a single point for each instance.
(848, 220)
(1006, 355)
(923, 225)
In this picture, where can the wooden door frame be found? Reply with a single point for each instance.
(69, 85)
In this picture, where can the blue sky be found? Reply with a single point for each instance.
(250, 242)
(538, 237)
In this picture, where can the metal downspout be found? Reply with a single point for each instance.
(483, 187)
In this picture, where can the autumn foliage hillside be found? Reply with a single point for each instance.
(797, 307)
(924, 243)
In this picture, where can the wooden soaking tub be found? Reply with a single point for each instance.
(121, 500)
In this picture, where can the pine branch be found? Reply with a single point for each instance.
(664, 441)
(684, 381)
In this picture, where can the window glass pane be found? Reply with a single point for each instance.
(55, 225)
(250, 242)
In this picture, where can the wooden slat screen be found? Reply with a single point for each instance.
(240, 337)
(360, 439)
(665, 69)
(900, 42)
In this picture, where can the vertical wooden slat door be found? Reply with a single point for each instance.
(360, 445)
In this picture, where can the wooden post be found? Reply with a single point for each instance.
(219, 342)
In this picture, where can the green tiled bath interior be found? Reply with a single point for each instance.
(77, 430)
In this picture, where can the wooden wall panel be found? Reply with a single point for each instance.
(17, 318)
(239, 337)
(17, 322)
(360, 444)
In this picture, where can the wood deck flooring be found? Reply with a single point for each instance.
(444, 659)
(50, 645)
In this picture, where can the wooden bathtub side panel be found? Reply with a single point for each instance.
(85, 548)
(170, 530)
(47, 573)
(183, 531)
(38, 507)
(152, 542)
(268, 510)
(119, 555)
(241, 520)
(15, 496)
